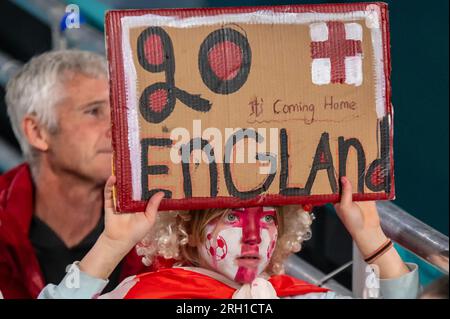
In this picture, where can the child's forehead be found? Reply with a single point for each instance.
(263, 208)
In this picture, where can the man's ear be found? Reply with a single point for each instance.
(35, 132)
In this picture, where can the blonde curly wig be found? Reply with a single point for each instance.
(177, 234)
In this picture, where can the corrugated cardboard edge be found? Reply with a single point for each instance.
(124, 201)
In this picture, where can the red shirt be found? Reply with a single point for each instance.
(20, 273)
(176, 283)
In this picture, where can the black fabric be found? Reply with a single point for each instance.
(54, 256)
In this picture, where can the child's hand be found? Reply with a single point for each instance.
(122, 232)
(363, 223)
(359, 218)
(128, 229)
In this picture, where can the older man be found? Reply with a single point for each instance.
(51, 206)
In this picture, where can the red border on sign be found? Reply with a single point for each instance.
(122, 165)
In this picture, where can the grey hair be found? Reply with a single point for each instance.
(37, 88)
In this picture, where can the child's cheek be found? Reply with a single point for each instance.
(216, 245)
(272, 245)
(273, 232)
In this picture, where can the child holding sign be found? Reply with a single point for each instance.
(226, 253)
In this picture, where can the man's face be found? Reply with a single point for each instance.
(82, 144)
(239, 244)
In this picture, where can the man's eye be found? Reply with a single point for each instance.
(94, 111)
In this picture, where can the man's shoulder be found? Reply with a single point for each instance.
(20, 275)
(16, 197)
(21, 172)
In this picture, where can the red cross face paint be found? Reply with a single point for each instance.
(240, 243)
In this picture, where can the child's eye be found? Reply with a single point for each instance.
(230, 217)
(269, 218)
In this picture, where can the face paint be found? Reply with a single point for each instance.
(240, 243)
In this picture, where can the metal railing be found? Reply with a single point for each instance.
(8, 67)
(9, 157)
(299, 268)
(414, 235)
(419, 238)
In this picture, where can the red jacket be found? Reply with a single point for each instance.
(20, 273)
(177, 283)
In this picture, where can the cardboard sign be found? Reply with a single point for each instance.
(248, 106)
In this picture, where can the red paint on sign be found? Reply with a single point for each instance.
(225, 59)
(336, 48)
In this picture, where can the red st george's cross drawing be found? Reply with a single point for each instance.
(235, 107)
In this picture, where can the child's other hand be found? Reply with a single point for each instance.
(357, 217)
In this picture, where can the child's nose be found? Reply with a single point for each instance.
(251, 234)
